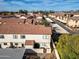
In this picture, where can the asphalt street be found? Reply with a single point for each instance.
(65, 27)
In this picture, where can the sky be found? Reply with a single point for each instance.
(56, 5)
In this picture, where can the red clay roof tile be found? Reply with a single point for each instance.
(29, 42)
(24, 29)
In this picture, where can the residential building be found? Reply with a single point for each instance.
(70, 19)
(11, 21)
(73, 22)
(25, 35)
(60, 16)
(76, 14)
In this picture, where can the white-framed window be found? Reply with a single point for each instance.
(45, 37)
(43, 44)
(1, 36)
(15, 36)
(23, 36)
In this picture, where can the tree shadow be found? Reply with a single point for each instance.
(54, 37)
(30, 54)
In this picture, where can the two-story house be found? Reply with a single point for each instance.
(25, 35)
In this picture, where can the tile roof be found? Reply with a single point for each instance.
(11, 20)
(8, 16)
(74, 18)
(76, 13)
(58, 14)
(24, 29)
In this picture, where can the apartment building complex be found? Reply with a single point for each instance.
(18, 32)
(70, 19)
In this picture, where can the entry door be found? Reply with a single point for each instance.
(11, 45)
(0, 45)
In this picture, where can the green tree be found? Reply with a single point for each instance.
(23, 11)
(44, 22)
(68, 46)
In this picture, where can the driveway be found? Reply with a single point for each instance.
(9, 53)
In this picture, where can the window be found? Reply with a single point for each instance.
(16, 43)
(45, 37)
(15, 36)
(2, 36)
(23, 36)
(43, 44)
(5, 43)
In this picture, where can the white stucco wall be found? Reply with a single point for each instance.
(29, 46)
(8, 44)
(4, 46)
(9, 38)
(38, 38)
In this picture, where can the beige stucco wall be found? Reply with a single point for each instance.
(38, 50)
(71, 23)
(53, 16)
(77, 24)
(76, 15)
(45, 45)
(42, 50)
(48, 51)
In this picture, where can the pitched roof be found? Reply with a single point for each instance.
(74, 18)
(59, 13)
(11, 20)
(24, 29)
(8, 16)
(76, 13)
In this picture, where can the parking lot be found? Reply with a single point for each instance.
(12, 53)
